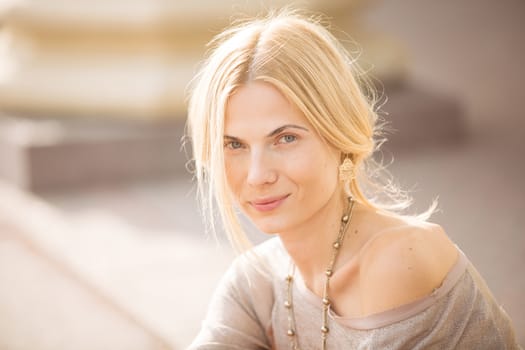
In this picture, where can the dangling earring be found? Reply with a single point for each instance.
(346, 170)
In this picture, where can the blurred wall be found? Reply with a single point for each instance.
(129, 59)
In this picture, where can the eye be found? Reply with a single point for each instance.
(233, 145)
(287, 138)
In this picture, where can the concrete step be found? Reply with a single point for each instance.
(149, 284)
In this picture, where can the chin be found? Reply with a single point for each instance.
(269, 222)
(269, 231)
(269, 225)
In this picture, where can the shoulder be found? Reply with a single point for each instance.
(262, 262)
(249, 278)
(404, 263)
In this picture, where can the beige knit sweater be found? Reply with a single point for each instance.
(247, 312)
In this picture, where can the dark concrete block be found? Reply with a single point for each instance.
(41, 154)
(420, 118)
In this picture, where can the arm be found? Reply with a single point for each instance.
(238, 312)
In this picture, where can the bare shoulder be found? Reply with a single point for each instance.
(404, 263)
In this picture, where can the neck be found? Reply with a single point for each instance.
(310, 244)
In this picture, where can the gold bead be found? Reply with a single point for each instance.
(326, 301)
(325, 329)
(345, 219)
(287, 304)
(290, 333)
(337, 245)
(328, 273)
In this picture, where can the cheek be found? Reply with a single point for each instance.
(315, 173)
(234, 175)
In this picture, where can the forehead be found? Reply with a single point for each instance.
(259, 107)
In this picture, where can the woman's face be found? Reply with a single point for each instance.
(278, 168)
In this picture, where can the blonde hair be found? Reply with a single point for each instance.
(308, 65)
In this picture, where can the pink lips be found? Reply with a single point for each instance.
(267, 204)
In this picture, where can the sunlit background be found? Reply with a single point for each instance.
(101, 243)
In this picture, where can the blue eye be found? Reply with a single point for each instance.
(233, 145)
(287, 138)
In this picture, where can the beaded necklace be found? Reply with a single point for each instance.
(289, 305)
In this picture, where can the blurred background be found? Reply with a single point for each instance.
(101, 242)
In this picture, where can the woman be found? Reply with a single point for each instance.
(282, 131)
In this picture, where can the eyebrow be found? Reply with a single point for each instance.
(276, 131)
(284, 127)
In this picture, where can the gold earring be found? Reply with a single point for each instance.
(346, 170)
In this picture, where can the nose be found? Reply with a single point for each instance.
(261, 170)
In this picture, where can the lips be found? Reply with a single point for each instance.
(268, 204)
